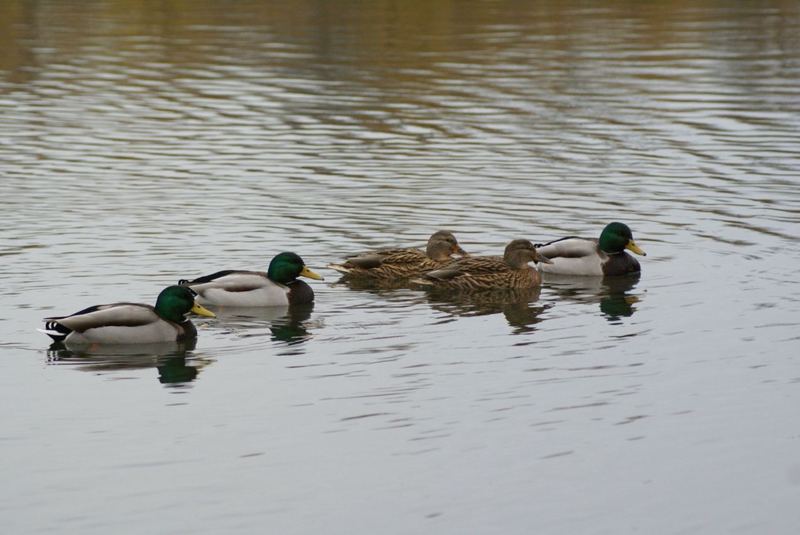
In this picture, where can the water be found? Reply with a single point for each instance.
(143, 143)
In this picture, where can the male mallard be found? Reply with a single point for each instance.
(278, 286)
(131, 323)
(489, 272)
(394, 264)
(584, 256)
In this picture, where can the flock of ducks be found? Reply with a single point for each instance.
(127, 323)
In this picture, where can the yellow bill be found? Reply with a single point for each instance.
(202, 311)
(635, 248)
(310, 274)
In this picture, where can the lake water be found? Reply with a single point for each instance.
(143, 142)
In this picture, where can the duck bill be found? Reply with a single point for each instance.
(459, 251)
(542, 259)
(202, 311)
(310, 274)
(632, 247)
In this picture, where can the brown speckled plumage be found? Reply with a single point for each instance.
(489, 272)
(396, 264)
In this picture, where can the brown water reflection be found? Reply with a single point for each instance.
(140, 141)
(519, 307)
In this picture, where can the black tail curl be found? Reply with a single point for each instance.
(56, 331)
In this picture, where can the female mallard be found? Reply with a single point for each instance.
(394, 264)
(278, 286)
(489, 272)
(131, 323)
(584, 256)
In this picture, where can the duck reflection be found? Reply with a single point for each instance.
(168, 358)
(372, 285)
(287, 324)
(613, 294)
(292, 327)
(517, 305)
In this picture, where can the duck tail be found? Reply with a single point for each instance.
(55, 330)
(340, 268)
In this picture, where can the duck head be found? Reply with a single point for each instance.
(519, 252)
(174, 302)
(442, 244)
(616, 237)
(286, 267)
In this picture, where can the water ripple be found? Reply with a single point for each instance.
(140, 145)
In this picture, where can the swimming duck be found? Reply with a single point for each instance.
(278, 286)
(131, 323)
(394, 264)
(584, 256)
(489, 272)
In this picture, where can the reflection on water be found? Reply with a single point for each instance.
(287, 324)
(371, 285)
(517, 305)
(140, 141)
(169, 358)
(614, 294)
(292, 328)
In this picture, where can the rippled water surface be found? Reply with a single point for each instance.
(143, 142)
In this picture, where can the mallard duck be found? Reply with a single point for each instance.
(489, 272)
(131, 323)
(278, 286)
(394, 264)
(584, 256)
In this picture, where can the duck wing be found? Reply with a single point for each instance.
(470, 266)
(571, 247)
(376, 259)
(116, 315)
(230, 281)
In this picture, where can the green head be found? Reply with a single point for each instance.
(174, 302)
(617, 237)
(286, 267)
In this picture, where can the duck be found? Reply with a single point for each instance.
(511, 271)
(279, 286)
(399, 264)
(131, 323)
(593, 257)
